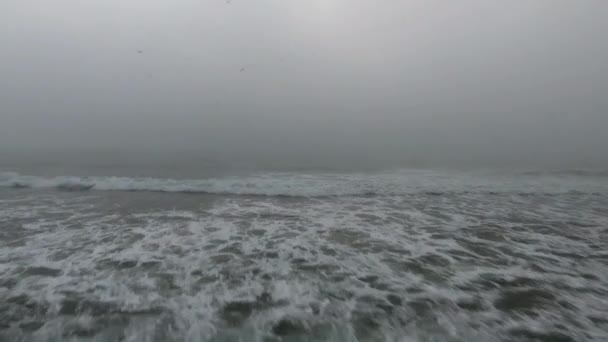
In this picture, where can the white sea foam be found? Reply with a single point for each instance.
(382, 268)
(428, 265)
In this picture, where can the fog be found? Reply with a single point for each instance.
(308, 82)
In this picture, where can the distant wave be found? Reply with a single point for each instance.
(574, 172)
(265, 185)
(430, 183)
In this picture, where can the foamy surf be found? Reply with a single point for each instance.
(407, 255)
(140, 266)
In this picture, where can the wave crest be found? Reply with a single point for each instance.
(263, 185)
(430, 183)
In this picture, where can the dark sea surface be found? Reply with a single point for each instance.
(403, 255)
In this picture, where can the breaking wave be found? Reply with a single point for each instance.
(318, 185)
(599, 173)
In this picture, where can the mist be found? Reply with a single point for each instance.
(314, 83)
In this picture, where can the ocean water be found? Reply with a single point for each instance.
(403, 255)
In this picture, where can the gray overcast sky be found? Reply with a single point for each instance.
(378, 81)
